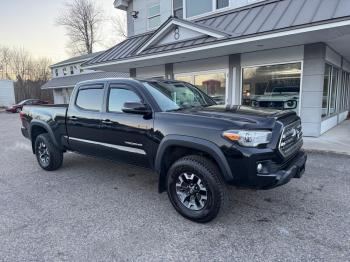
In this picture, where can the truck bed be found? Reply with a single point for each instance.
(53, 115)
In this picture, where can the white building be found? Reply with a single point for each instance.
(66, 74)
(285, 54)
(7, 93)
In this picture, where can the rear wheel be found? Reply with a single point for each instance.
(195, 188)
(48, 155)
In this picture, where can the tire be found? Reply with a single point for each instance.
(49, 157)
(200, 208)
(18, 110)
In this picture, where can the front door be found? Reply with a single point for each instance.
(127, 136)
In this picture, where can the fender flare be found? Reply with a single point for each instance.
(194, 143)
(45, 126)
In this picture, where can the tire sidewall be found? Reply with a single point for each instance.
(213, 203)
(39, 139)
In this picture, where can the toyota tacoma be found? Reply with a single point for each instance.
(195, 146)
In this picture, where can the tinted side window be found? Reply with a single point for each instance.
(119, 96)
(90, 99)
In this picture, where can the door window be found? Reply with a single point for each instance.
(90, 99)
(118, 97)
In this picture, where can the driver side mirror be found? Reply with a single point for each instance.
(136, 108)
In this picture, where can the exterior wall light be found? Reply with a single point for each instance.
(135, 14)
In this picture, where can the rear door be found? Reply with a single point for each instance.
(128, 137)
(84, 119)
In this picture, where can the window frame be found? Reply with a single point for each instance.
(274, 64)
(214, 10)
(87, 87)
(214, 71)
(153, 16)
(330, 90)
(120, 86)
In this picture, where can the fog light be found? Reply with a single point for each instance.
(259, 168)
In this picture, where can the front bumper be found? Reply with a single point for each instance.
(294, 169)
(276, 173)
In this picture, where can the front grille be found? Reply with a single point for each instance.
(272, 104)
(291, 139)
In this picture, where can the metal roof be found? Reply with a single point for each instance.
(260, 18)
(76, 59)
(275, 15)
(71, 81)
(122, 50)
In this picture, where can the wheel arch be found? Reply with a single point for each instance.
(38, 127)
(193, 145)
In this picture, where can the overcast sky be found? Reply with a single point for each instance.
(31, 24)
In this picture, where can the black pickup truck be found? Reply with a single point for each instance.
(196, 146)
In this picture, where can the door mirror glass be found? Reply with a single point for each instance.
(136, 108)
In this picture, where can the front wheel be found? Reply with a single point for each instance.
(195, 188)
(48, 155)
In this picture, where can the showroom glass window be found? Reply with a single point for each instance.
(272, 86)
(331, 91)
(211, 83)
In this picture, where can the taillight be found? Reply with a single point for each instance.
(22, 115)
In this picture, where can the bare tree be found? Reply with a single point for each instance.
(119, 24)
(20, 63)
(5, 62)
(40, 69)
(82, 19)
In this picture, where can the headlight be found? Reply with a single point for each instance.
(291, 104)
(248, 138)
(255, 103)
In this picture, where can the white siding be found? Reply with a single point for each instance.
(273, 56)
(140, 23)
(333, 57)
(346, 65)
(150, 71)
(208, 64)
(7, 93)
(76, 70)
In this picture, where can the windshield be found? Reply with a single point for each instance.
(171, 95)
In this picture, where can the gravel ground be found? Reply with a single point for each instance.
(96, 210)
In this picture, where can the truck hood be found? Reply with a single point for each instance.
(242, 116)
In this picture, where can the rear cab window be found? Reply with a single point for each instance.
(90, 97)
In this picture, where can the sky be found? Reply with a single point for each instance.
(31, 24)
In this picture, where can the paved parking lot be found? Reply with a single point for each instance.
(96, 210)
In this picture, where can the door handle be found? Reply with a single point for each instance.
(106, 122)
(73, 118)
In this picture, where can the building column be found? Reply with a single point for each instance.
(234, 80)
(312, 88)
(169, 71)
(132, 72)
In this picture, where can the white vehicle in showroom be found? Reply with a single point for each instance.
(282, 98)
